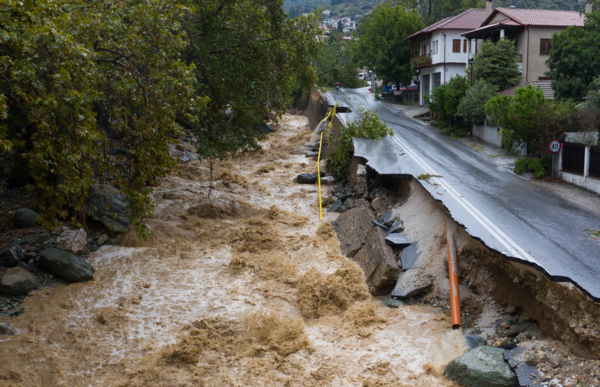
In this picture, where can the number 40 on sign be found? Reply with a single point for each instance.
(554, 146)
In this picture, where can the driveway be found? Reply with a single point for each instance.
(541, 225)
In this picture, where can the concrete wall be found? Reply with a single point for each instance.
(317, 107)
(489, 134)
(585, 182)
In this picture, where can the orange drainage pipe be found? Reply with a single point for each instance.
(453, 275)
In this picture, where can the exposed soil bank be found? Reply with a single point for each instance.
(492, 288)
(247, 288)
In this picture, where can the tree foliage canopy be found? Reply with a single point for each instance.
(93, 91)
(247, 56)
(381, 44)
(528, 117)
(432, 11)
(497, 64)
(574, 60)
(472, 106)
(337, 62)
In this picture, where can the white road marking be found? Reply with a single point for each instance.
(508, 243)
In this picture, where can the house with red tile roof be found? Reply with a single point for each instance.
(440, 52)
(530, 30)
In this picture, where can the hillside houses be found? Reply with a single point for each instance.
(442, 50)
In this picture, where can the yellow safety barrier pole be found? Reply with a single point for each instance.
(319, 177)
(330, 114)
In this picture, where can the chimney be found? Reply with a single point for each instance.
(489, 7)
(588, 7)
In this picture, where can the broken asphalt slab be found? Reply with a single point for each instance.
(527, 374)
(524, 221)
(410, 257)
(397, 240)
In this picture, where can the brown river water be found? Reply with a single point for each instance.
(243, 288)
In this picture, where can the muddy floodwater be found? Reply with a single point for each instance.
(239, 286)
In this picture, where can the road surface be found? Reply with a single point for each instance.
(524, 220)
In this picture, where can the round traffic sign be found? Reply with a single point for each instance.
(554, 146)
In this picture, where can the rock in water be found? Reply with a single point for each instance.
(307, 178)
(393, 303)
(410, 283)
(18, 281)
(66, 265)
(24, 218)
(474, 341)
(102, 240)
(7, 329)
(11, 257)
(335, 207)
(481, 367)
(108, 205)
(72, 240)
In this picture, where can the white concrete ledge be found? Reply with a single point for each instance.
(588, 183)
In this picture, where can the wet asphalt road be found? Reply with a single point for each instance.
(510, 214)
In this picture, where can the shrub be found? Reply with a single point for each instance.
(368, 125)
(538, 166)
(472, 106)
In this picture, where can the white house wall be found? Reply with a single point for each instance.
(456, 63)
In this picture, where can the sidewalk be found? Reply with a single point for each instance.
(411, 111)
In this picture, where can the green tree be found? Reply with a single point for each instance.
(518, 116)
(472, 106)
(432, 11)
(457, 87)
(337, 62)
(80, 74)
(497, 64)
(592, 103)
(573, 60)
(381, 44)
(248, 59)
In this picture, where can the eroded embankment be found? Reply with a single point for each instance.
(563, 313)
(241, 285)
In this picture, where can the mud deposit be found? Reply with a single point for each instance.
(245, 289)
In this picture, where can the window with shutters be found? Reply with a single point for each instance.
(545, 47)
(456, 45)
(464, 46)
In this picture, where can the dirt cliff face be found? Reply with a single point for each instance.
(239, 285)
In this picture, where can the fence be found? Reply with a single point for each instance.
(573, 158)
(594, 168)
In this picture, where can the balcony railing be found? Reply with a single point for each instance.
(421, 61)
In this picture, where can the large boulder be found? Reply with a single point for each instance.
(411, 282)
(11, 256)
(482, 367)
(24, 218)
(18, 281)
(352, 229)
(72, 240)
(66, 265)
(108, 205)
(307, 178)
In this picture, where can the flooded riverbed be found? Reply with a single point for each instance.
(239, 286)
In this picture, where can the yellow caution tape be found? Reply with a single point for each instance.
(328, 128)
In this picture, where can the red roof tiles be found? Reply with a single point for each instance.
(545, 86)
(540, 17)
(467, 20)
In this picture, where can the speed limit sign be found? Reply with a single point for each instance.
(554, 146)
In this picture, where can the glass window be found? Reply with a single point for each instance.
(425, 88)
(456, 45)
(545, 47)
(437, 80)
